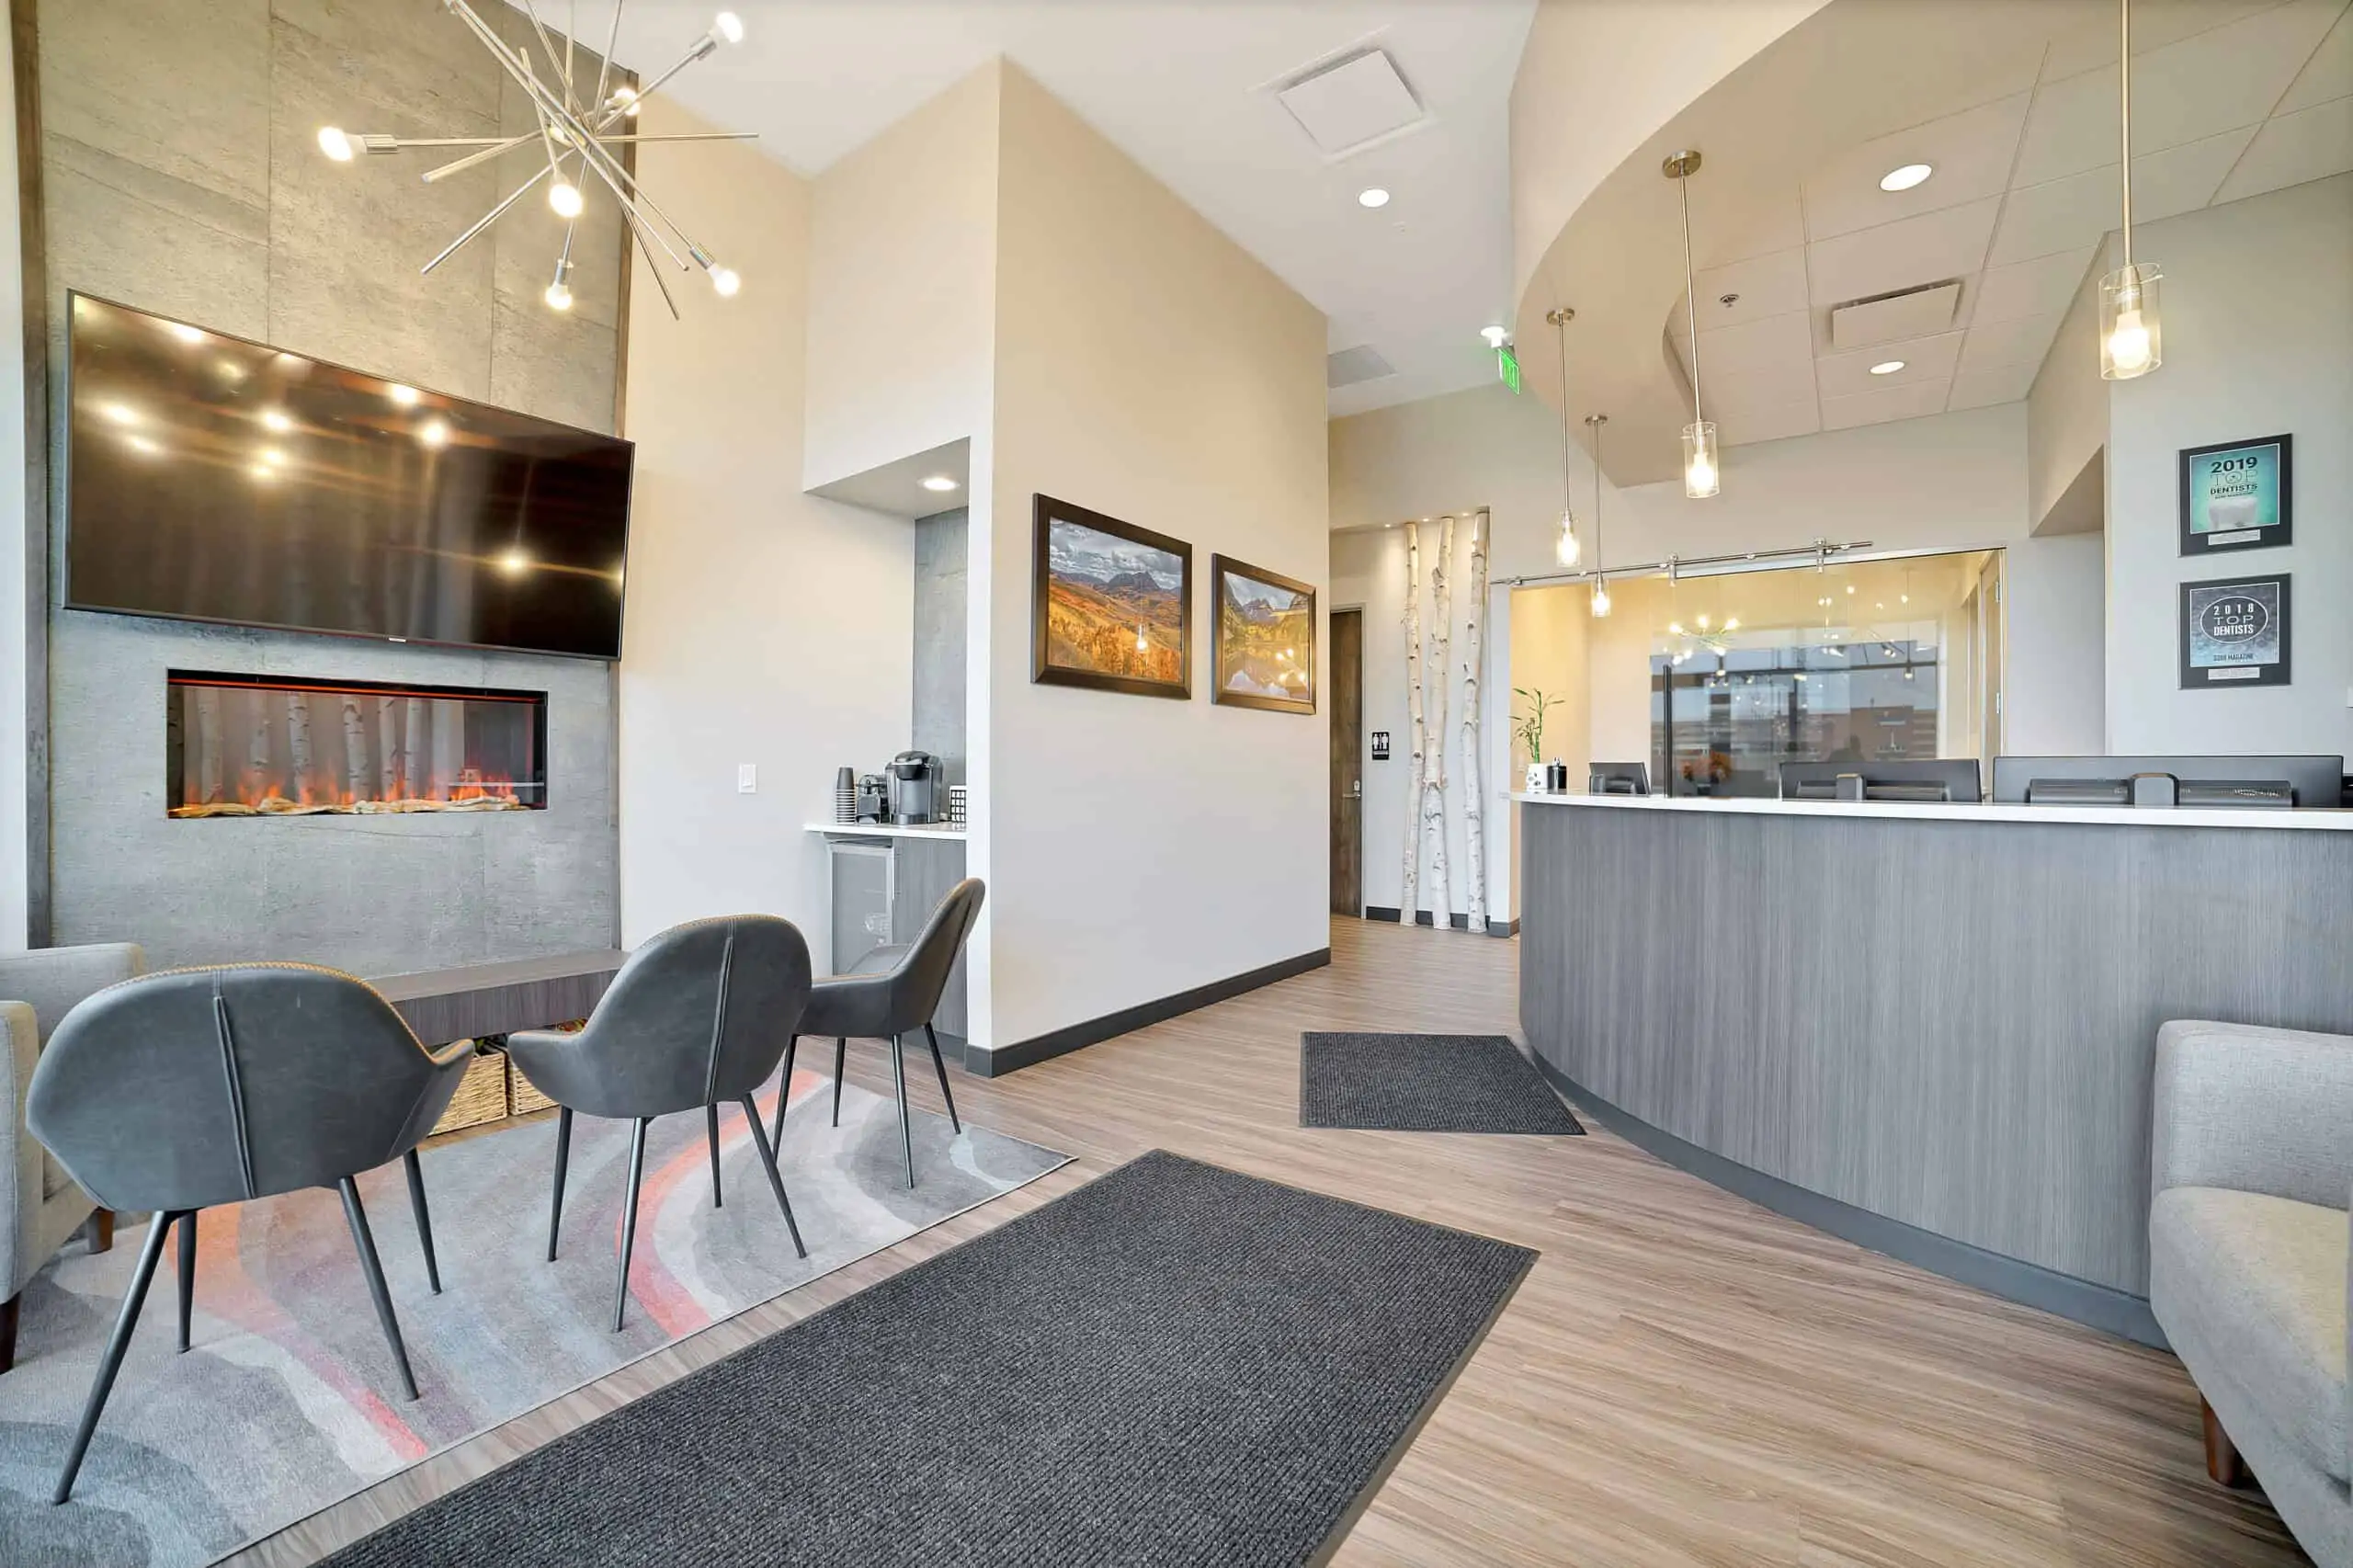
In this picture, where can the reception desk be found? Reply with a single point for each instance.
(1927, 1027)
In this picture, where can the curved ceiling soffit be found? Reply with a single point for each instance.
(1852, 71)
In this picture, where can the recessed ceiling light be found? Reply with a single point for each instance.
(1372, 196)
(1495, 336)
(1887, 367)
(1905, 177)
(939, 483)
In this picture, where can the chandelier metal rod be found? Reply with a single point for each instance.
(486, 221)
(592, 157)
(555, 62)
(494, 146)
(605, 63)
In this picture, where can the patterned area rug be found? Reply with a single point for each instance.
(1426, 1083)
(287, 1400)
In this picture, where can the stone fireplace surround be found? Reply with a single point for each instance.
(376, 895)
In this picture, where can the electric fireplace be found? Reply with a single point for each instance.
(272, 746)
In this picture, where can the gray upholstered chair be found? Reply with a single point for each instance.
(193, 1087)
(699, 1014)
(889, 993)
(2248, 1248)
(39, 1205)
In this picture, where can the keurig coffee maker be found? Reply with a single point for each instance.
(916, 790)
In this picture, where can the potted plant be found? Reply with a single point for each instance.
(1529, 730)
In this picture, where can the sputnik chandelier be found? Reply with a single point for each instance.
(580, 135)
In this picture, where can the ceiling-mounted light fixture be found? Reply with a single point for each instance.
(1600, 574)
(2129, 342)
(1372, 196)
(572, 123)
(1701, 471)
(1887, 367)
(1565, 549)
(1496, 337)
(1905, 177)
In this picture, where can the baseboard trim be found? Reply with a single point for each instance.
(2081, 1301)
(1012, 1058)
(1423, 917)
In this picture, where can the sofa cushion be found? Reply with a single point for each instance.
(2256, 1285)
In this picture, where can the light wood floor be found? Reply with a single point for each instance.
(1682, 1379)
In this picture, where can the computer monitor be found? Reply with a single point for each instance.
(1619, 779)
(1944, 779)
(2279, 783)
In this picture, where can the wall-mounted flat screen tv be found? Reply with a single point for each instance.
(213, 479)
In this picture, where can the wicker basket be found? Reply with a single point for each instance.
(522, 1095)
(482, 1093)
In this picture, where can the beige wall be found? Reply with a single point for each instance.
(764, 626)
(1149, 368)
(2066, 424)
(2258, 340)
(903, 287)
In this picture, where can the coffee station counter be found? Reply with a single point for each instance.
(886, 830)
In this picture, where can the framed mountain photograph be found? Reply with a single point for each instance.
(1266, 637)
(2234, 632)
(1111, 605)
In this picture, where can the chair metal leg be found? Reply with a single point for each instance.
(186, 1246)
(629, 1216)
(563, 1158)
(149, 1255)
(841, 1057)
(941, 1063)
(784, 1091)
(776, 1178)
(424, 1218)
(899, 1077)
(373, 1267)
(711, 1122)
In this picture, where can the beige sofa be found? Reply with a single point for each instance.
(2248, 1258)
(41, 1205)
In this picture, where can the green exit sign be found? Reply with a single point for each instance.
(1507, 366)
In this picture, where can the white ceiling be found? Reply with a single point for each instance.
(1188, 90)
(2024, 192)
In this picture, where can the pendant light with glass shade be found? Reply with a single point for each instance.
(2129, 342)
(1601, 574)
(1565, 549)
(1702, 473)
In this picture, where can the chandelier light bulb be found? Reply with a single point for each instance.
(729, 27)
(2130, 343)
(334, 144)
(726, 282)
(1567, 549)
(1601, 598)
(565, 197)
(558, 296)
(626, 101)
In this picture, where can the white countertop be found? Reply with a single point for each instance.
(885, 829)
(2323, 820)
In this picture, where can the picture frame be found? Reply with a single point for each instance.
(2237, 496)
(2234, 631)
(1263, 638)
(1103, 612)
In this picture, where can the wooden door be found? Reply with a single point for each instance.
(1347, 762)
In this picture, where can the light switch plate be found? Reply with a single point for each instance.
(747, 777)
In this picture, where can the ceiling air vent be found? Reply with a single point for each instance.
(1888, 318)
(1349, 366)
(1351, 102)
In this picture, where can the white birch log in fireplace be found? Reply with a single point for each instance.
(258, 748)
(388, 748)
(297, 741)
(207, 742)
(416, 732)
(355, 747)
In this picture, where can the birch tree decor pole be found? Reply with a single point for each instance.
(1435, 670)
(1409, 899)
(1474, 830)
